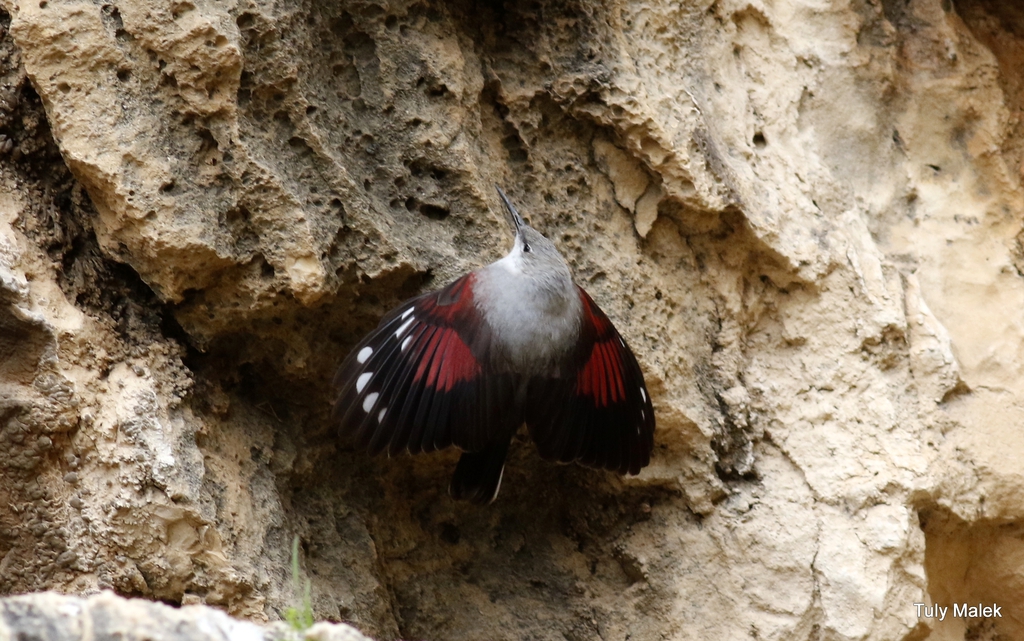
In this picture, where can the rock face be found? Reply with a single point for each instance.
(805, 217)
(106, 617)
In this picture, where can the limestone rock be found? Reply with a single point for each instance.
(805, 217)
(106, 617)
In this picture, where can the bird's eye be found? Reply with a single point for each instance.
(526, 248)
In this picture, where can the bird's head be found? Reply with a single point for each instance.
(532, 254)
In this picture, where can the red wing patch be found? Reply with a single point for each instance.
(452, 362)
(601, 376)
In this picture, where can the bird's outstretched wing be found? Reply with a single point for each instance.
(602, 415)
(419, 382)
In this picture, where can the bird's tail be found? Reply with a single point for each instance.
(477, 477)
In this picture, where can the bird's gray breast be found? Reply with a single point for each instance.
(534, 322)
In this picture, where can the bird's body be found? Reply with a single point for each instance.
(510, 343)
(534, 315)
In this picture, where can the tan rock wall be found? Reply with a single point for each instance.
(804, 216)
(105, 617)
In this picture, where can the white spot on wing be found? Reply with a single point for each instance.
(364, 354)
(363, 379)
(405, 326)
(405, 343)
(643, 394)
(370, 401)
(380, 417)
(406, 313)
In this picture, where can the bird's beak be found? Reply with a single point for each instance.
(514, 219)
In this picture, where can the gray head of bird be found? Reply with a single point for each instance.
(532, 254)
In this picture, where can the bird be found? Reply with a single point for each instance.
(515, 342)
